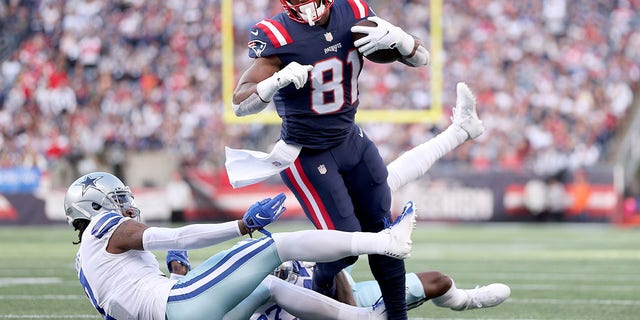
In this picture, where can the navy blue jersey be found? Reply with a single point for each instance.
(318, 115)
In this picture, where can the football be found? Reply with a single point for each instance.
(380, 56)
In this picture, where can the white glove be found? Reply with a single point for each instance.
(383, 36)
(293, 73)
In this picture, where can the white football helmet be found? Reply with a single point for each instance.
(307, 11)
(98, 192)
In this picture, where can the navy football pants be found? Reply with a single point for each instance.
(345, 188)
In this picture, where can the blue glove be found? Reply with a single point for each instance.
(264, 212)
(180, 256)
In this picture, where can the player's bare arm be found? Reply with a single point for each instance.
(128, 236)
(262, 80)
(260, 69)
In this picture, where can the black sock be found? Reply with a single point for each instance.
(390, 274)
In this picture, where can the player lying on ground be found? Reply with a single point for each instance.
(439, 288)
(122, 279)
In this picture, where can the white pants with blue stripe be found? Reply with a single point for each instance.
(224, 280)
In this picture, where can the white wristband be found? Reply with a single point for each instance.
(420, 58)
(268, 87)
(405, 46)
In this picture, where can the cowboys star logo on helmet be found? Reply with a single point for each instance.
(88, 182)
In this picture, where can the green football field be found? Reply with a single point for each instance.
(555, 271)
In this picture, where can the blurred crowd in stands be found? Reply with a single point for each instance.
(96, 79)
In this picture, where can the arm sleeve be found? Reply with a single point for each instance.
(420, 58)
(251, 105)
(189, 237)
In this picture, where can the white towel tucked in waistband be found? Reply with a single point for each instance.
(246, 167)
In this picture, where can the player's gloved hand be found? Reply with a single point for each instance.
(383, 36)
(180, 256)
(293, 73)
(264, 212)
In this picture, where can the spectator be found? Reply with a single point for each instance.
(550, 67)
(580, 195)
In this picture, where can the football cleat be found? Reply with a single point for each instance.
(465, 114)
(486, 296)
(400, 233)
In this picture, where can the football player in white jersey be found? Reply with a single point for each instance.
(122, 279)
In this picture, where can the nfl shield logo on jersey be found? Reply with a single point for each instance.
(328, 36)
(322, 169)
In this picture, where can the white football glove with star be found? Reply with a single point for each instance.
(383, 36)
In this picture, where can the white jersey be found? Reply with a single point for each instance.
(122, 286)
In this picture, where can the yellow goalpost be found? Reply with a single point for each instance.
(430, 115)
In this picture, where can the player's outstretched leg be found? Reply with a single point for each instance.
(307, 304)
(465, 114)
(485, 296)
(415, 162)
(331, 245)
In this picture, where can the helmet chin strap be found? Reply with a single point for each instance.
(309, 12)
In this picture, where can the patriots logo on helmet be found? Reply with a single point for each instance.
(257, 46)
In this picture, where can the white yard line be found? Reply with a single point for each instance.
(5, 282)
(43, 297)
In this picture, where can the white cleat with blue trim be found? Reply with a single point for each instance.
(400, 233)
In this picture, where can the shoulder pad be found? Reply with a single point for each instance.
(360, 8)
(105, 223)
(275, 31)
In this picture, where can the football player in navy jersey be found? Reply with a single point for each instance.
(306, 62)
(432, 285)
